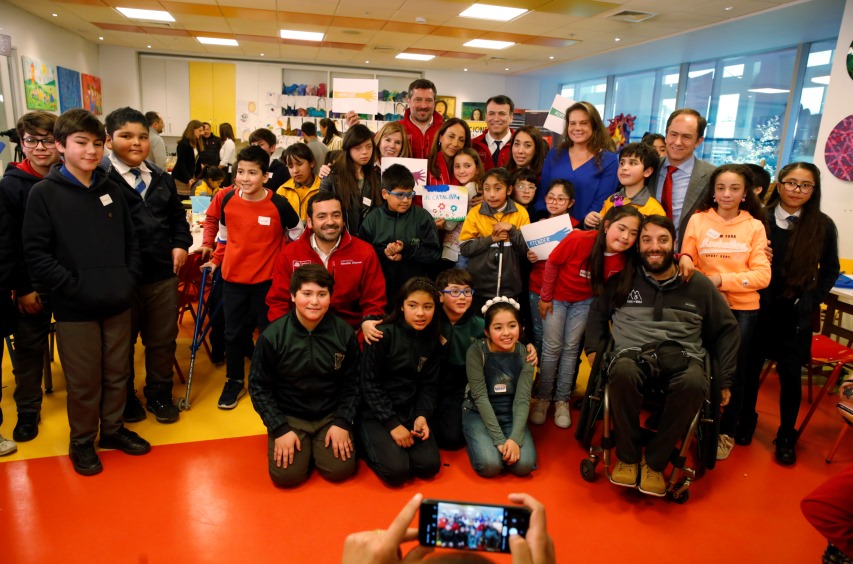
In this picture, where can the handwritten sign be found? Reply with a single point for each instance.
(355, 94)
(543, 236)
(446, 202)
(200, 203)
(556, 119)
(418, 168)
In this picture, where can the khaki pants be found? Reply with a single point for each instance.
(312, 437)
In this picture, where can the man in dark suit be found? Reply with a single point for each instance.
(682, 179)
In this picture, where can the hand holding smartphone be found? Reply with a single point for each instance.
(467, 526)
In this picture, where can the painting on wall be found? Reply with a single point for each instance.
(839, 150)
(474, 111)
(850, 60)
(91, 87)
(69, 89)
(40, 85)
(446, 106)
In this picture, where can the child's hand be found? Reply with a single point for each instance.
(545, 308)
(393, 250)
(592, 219)
(284, 448)
(402, 437)
(531, 256)
(370, 332)
(325, 171)
(686, 267)
(211, 265)
(532, 358)
(421, 429)
(351, 118)
(439, 223)
(510, 451)
(475, 201)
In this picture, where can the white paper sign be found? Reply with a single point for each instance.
(556, 119)
(446, 202)
(543, 236)
(418, 168)
(355, 94)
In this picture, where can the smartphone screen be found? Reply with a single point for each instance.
(467, 526)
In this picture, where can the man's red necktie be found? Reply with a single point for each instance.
(666, 194)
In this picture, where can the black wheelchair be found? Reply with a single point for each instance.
(704, 427)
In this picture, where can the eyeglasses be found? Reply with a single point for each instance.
(525, 187)
(32, 142)
(402, 195)
(805, 187)
(553, 200)
(456, 292)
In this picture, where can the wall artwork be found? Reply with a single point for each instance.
(446, 106)
(40, 85)
(839, 150)
(850, 60)
(474, 111)
(69, 89)
(92, 94)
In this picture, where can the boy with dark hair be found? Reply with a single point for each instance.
(637, 163)
(404, 236)
(254, 223)
(32, 318)
(160, 223)
(157, 154)
(80, 245)
(304, 384)
(276, 171)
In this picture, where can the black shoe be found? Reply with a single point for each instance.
(126, 441)
(785, 453)
(745, 429)
(133, 410)
(84, 458)
(163, 408)
(27, 427)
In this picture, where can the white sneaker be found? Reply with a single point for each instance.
(7, 446)
(539, 411)
(562, 417)
(725, 444)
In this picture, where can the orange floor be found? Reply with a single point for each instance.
(203, 495)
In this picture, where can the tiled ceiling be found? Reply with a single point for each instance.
(370, 33)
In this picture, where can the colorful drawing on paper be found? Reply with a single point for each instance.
(839, 150)
(92, 94)
(543, 236)
(40, 85)
(446, 202)
(69, 89)
(418, 168)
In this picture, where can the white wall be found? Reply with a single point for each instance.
(48, 43)
(119, 72)
(837, 198)
(476, 87)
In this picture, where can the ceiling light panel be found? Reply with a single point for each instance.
(301, 35)
(494, 13)
(489, 44)
(148, 15)
(415, 57)
(218, 41)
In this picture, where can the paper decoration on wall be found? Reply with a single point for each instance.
(446, 202)
(418, 168)
(543, 236)
(620, 128)
(556, 119)
(474, 111)
(69, 89)
(850, 60)
(92, 94)
(247, 119)
(40, 85)
(355, 94)
(839, 150)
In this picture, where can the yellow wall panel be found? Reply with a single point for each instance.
(201, 91)
(224, 93)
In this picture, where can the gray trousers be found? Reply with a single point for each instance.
(154, 316)
(94, 359)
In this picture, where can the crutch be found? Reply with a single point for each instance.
(200, 331)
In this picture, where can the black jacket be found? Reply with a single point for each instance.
(209, 155)
(15, 187)
(187, 164)
(79, 243)
(278, 175)
(7, 267)
(160, 221)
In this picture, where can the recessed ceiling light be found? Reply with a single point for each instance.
(551, 57)
(301, 35)
(55, 15)
(729, 8)
(366, 62)
(101, 38)
(218, 41)
(466, 70)
(617, 39)
(488, 12)
(149, 46)
(151, 15)
(415, 57)
(821, 79)
(506, 69)
(489, 44)
(262, 54)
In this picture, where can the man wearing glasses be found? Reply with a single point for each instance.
(404, 236)
(35, 130)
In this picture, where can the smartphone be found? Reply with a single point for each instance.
(470, 526)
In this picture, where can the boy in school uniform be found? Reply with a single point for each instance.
(637, 163)
(35, 129)
(277, 173)
(163, 235)
(404, 236)
(254, 224)
(304, 384)
(79, 243)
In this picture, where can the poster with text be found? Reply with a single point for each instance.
(418, 168)
(556, 119)
(92, 94)
(355, 94)
(69, 89)
(40, 89)
(543, 236)
(446, 202)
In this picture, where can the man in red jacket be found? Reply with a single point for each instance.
(359, 297)
(494, 145)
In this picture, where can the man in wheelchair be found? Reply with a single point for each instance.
(663, 328)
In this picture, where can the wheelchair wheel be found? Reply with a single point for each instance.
(590, 410)
(681, 498)
(588, 470)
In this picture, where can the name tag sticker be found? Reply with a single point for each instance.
(500, 388)
(263, 220)
(106, 200)
(366, 201)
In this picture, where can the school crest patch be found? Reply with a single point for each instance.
(339, 360)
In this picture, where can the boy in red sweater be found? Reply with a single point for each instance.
(254, 223)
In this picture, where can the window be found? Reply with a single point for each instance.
(810, 110)
(592, 91)
(649, 96)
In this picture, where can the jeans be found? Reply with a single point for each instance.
(485, 457)
(746, 320)
(537, 322)
(563, 330)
